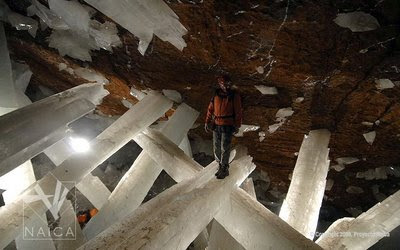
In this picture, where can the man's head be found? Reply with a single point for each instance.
(224, 82)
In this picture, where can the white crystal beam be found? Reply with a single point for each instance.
(247, 220)
(162, 199)
(27, 131)
(16, 181)
(75, 15)
(300, 209)
(365, 230)
(74, 169)
(94, 190)
(19, 143)
(93, 92)
(136, 183)
(140, 116)
(256, 227)
(167, 227)
(175, 157)
(21, 177)
(171, 156)
(125, 197)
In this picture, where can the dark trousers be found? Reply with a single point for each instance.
(222, 138)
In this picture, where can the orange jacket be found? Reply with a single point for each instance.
(225, 108)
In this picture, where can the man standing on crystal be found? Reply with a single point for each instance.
(224, 118)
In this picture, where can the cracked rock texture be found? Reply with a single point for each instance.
(302, 52)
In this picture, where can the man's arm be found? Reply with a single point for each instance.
(210, 111)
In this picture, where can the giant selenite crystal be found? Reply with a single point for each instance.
(47, 121)
(72, 44)
(93, 92)
(20, 178)
(20, 143)
(365, 230)
(304, 198)
(8, 97)
(143, 18)
(47, 16)
(247, 220)
(91, 186)
(174, 161)
(94, 190)
(75, 168)
(73, 14)
(21, 22)
(75, 34)
(16, 181)
(136, 183)
(256, 227)
(162, 223)
(219, 237)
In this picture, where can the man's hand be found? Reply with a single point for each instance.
(207, 128)
(236, 131)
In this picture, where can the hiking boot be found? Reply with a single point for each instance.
(224, 172)
(218, 173)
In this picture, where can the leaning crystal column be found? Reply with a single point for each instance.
(75, 168)
(300, 209)
(256, 227)
(93, 92)
(201, 241)
(165, 225)
(164, 152)
(47, 121)
(365, 230)
(14, 182)
(136, 183)
(41, 133)
(247, 220)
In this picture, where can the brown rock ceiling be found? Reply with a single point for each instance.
(312, 58)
